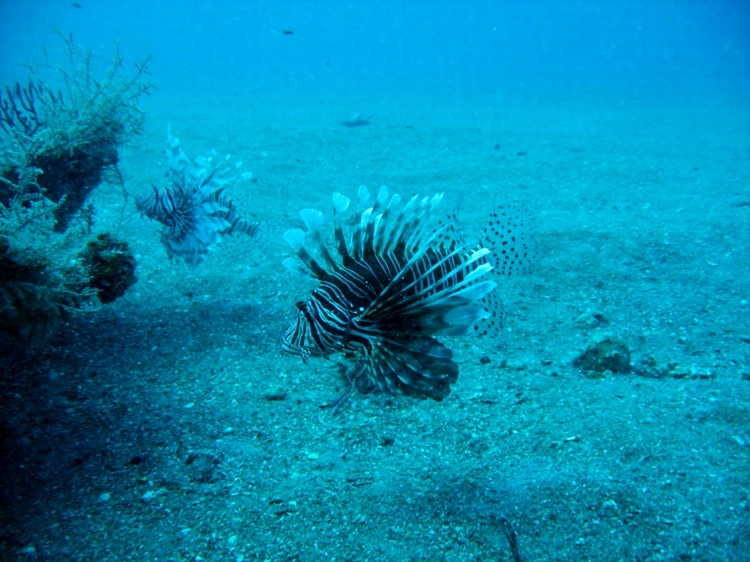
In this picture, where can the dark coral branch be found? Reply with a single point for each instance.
(18, 108)
(18, 111)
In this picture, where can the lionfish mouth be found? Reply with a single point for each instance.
(387, 291)
(289, 347)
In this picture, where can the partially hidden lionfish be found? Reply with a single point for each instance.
(193, 207)
(400, 280)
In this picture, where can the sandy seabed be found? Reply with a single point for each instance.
(169, 425)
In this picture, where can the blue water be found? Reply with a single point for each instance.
(565, 52)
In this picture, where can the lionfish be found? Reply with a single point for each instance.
(193, 208)
(385, 293)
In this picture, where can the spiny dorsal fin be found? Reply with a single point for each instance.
(380, 242)
(340, 205)
(363, 199)
(313, 219)
(296, 239)
(373, 220)
(293, 265)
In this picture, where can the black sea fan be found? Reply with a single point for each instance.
(387, 292)
(193, 207)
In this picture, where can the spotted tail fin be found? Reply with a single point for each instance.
(509, 234)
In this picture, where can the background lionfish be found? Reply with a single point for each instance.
(394, 286)
(193, 207)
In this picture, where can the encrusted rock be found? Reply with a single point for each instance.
(604, 353)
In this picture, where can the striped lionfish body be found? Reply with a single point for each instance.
(193, 208)
(386, 293)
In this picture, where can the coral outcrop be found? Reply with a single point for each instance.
(57, 144)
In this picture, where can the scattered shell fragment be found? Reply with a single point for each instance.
(591, 319)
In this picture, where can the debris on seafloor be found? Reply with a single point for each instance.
(591, 319)
(604, 353)
(648, 367)
(355, 121)
(609, 354)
